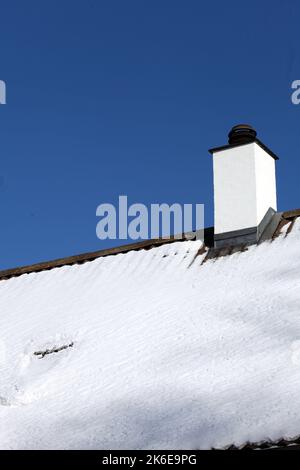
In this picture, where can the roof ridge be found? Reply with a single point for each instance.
(287, 216)
(91, 256)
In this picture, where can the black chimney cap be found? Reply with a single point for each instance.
(241, 134)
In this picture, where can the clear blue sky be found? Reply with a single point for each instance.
(125, 97)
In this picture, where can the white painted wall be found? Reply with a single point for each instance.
(244, 187)
(265, 182)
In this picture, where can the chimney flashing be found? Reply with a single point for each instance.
(247, 236)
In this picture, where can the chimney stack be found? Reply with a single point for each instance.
(244, 188)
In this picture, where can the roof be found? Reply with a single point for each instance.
(279, 444)
(151, 347)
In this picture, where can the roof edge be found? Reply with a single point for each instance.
(91, 256)
(278, 444)
(143, 245)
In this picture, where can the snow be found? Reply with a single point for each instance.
(166, 355)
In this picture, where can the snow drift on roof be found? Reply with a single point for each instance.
(163, 355)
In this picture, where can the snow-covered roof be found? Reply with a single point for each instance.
(162, 351)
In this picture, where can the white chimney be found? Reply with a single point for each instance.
(244, 188)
